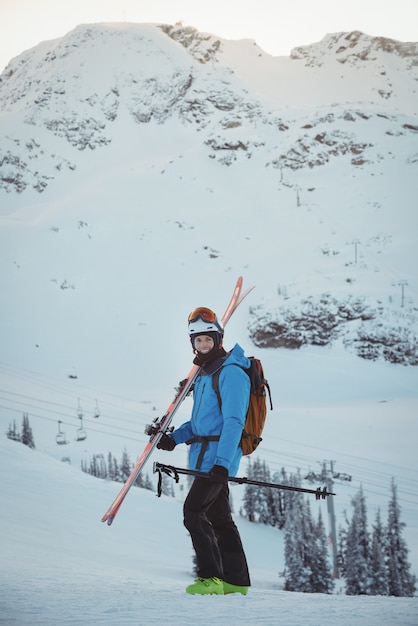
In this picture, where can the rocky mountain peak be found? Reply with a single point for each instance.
(355, 47)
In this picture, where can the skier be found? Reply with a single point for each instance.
(214, 432)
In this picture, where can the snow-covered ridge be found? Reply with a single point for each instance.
(72, 92)
(355, 47)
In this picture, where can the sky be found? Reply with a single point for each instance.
(276, 26)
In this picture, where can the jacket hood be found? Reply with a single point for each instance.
(237, 357)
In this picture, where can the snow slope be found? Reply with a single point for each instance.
(61, 566)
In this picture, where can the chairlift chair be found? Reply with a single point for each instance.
(81, 433)
(60, 438)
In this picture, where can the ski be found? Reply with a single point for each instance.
(160, 425)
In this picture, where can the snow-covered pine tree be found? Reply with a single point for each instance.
(113, 468)
(13, 432)
(322, 581)
(148, 483)
(357, 554)
(125, 466)
(401, 582)
(98, 466)
(93, 470)
(249, 500)
(278, 500)
(297, 575)
(167, 488)
(262, 504)
(378, 570)
(27, 435)
(247, 508)
(342, 547)
(300, 542)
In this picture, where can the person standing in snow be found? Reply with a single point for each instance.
(214, 433)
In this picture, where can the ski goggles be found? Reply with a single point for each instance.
(204, 314)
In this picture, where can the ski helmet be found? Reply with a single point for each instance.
(203, 321)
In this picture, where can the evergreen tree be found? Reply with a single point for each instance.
(248, 508)
(342, 549)
(296, 574)
(93, 466)
(139, 481)
(401, 582)
(305, 558)
(378, 571)
(113, 468)
(261, 472)
(357, 555)
(148, 483)
(101, 466)
(278, 508)
(322, 581)
(98, 466)
(12, 432)
(167, 488)
(125, 466)
(262, 504)
(27, 436)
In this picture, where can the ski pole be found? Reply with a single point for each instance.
(173, 472)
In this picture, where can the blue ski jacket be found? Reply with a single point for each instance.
(214, 433)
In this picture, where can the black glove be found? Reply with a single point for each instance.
(166, 443)
(181, 385)
(219, 474)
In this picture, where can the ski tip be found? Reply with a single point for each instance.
(108, 518)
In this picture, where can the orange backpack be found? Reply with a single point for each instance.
(257, 406)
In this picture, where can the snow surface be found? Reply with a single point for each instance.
(60, 565)
(99, 273)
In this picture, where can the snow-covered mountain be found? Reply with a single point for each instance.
(80, 87)
(196, 107)
(143, 168)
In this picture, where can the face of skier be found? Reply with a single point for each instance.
(203, 344)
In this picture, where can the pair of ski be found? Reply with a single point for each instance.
(160, 425)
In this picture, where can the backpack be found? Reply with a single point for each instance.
(257, 407)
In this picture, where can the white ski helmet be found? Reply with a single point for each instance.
(203, 321)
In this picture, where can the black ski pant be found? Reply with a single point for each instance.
(215, 537)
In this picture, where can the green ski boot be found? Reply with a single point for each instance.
(228, 588)
(206, 586)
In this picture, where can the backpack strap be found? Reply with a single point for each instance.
(215, 385)
(215, 382)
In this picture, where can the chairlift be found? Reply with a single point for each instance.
(60, 438)
(79, 410)
(81, 433)
(96, 410)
